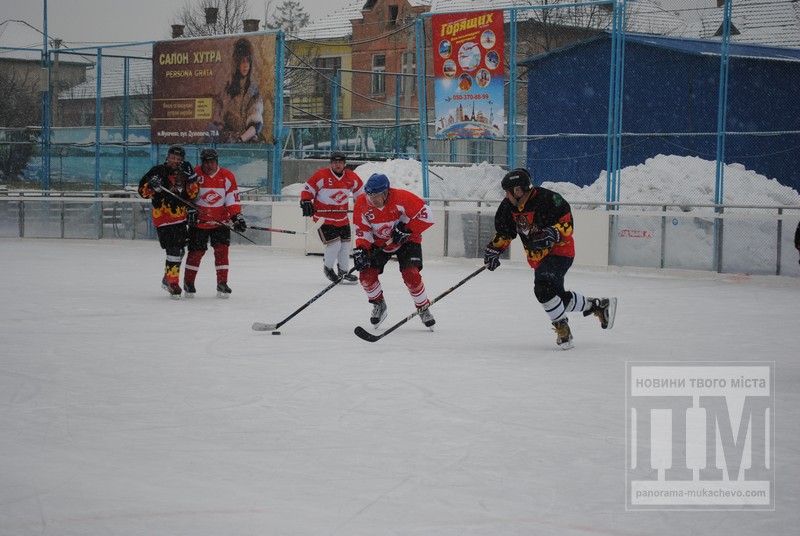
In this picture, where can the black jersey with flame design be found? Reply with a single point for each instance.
(166, 209)
(539, 208)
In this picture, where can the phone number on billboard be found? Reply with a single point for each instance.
(471, 97)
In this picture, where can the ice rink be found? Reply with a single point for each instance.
(123, 412)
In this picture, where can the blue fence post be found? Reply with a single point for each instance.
(278, 133)
(126, 110)
(397, 84)
(45, 173)
(98, 114)
(511, 122)
(419, 29)
(722, 111)
(335, 110)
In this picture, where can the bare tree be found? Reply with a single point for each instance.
(289, 16)
(229, 17)
(21, 108)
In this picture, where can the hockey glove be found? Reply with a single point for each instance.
(545, 239)
(308, 208)
(360, 258)
(400, 234)
(239, 224)
(491, 257)
(191, 217)
(155, 183)
(188, 171)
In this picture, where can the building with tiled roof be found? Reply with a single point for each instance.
(21, 54)
(755, 22)
(77, 105)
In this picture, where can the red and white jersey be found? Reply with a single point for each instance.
(330, 192)
(218, 198)
(374, 225)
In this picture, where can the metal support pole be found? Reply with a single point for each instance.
(511, 123)
(279, 134)
(422, 88)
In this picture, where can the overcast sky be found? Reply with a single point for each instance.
(122, 21)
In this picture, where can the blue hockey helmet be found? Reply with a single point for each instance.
(378, 182)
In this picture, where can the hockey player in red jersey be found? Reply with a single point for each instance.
(218, 203)
(390, 222)
(325, 196)
(543, 221)
(177, 176)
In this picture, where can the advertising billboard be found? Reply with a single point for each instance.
(214, 90)
(468, 70)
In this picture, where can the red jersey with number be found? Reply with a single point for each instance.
(332, 193)
(374, 225)
(218, 198)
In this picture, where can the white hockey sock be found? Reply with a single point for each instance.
(344, 256)
(331, 253)
(555, 309)
(578, 302)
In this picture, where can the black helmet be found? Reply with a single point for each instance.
(516, 177)
(338, 155)
(177, 150)
(209, 154)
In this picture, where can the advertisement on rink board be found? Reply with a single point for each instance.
(469, 75)
(214, 90)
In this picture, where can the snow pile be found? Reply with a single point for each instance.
(683, 180)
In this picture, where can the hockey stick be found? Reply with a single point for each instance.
(203, 212)
(314, 227)
(271, 230)
(371, 337)
(258, 326)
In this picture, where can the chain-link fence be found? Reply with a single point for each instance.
(637, 107)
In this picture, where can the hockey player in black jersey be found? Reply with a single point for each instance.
(543, 221)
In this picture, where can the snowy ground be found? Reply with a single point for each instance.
(124, 412)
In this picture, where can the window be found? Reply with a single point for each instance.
(409, 67)
(328, 67)
(393, 12)
(322, 100)
(378, 74)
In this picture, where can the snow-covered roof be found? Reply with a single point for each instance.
(337, 25)
(764, 22)
(140, 82)
(694, 46)
(21, 41)
(775, 23)
(646, 16)
(712, 47)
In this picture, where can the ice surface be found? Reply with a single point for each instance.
(124, 412)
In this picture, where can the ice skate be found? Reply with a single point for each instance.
(605, 309)
(427, 318)
(330, 274)
(188, 290)
(223, 291)
(347, 279)
(378, 313)
(563, 334)
(173, 288)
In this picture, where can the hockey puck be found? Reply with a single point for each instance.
(276, 332)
